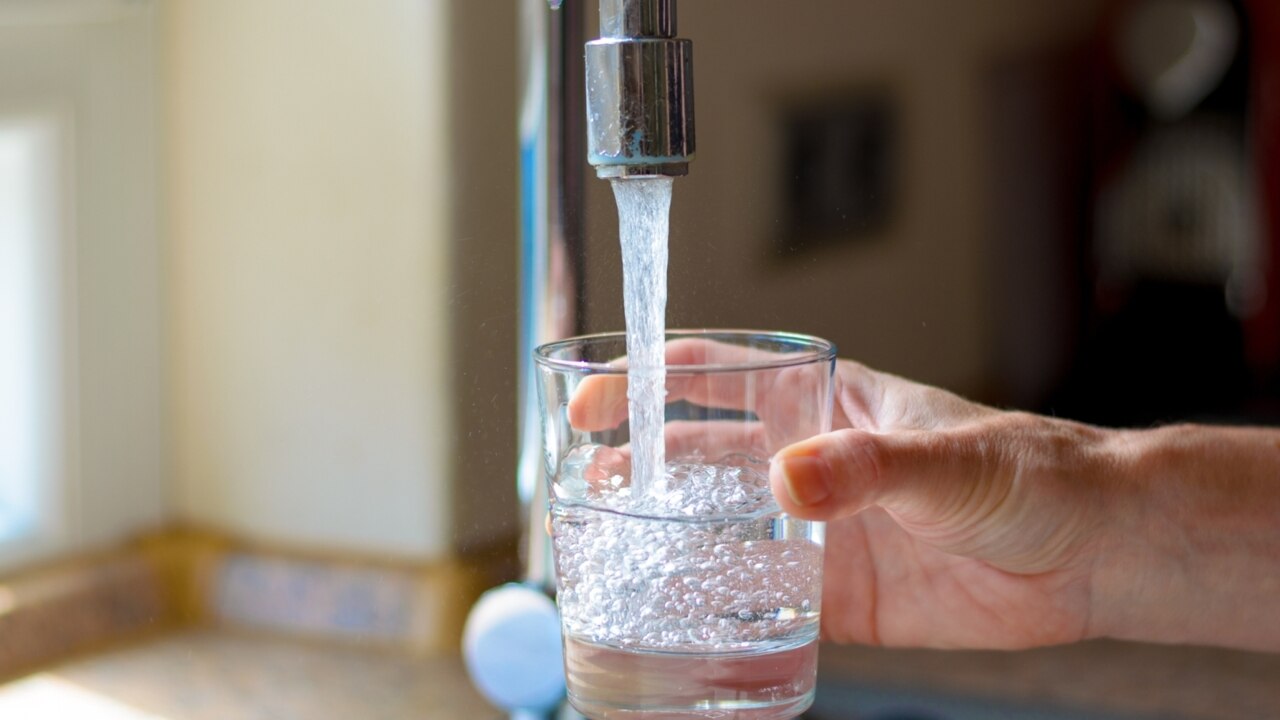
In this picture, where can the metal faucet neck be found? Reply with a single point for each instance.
(637, 19)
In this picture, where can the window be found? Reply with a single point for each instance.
(32, 206)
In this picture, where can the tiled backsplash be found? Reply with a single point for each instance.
(309, 597)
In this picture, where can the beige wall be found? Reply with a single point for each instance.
(91, 66)
(342, 183)
(309, 271)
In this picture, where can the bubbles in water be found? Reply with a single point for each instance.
(706, 562)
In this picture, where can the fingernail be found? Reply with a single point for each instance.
(807, 479)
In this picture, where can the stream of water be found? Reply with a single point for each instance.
(644, 208)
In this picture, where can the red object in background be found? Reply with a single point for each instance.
(1262, 331)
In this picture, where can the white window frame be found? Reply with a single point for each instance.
(50, 447)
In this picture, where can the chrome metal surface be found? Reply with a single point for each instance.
(637, 18)
(552, 156)
(639, 92)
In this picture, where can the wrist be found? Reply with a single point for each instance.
(1134, 580)
(1191, 553)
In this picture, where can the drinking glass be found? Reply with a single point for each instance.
(689, 593)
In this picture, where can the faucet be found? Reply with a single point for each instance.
(635, 83)
(639, 92)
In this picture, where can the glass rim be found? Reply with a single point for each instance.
(815, 350)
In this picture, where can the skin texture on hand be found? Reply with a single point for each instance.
(970, 527)
(1197, 554)
(955, 525)
(951, 524)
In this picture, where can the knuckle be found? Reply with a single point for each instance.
(864, 458)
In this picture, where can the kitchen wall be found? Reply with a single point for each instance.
(87, 69)
(308, 271)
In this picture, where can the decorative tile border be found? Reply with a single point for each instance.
(309, 597)
(415, 608)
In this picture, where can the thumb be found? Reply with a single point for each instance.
(922, 476)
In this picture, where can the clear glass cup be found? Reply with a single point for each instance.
(690, 594)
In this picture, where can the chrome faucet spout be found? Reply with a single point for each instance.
(639, 92)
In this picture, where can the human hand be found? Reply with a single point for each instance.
(934, 540)
(951, 524)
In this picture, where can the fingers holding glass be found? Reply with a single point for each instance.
(786, 388)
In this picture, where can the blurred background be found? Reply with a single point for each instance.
(258, 306)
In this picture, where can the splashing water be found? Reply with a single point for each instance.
(644, 208)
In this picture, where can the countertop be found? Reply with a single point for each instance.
(215, 675)
(223, 675)
(1117, 679)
